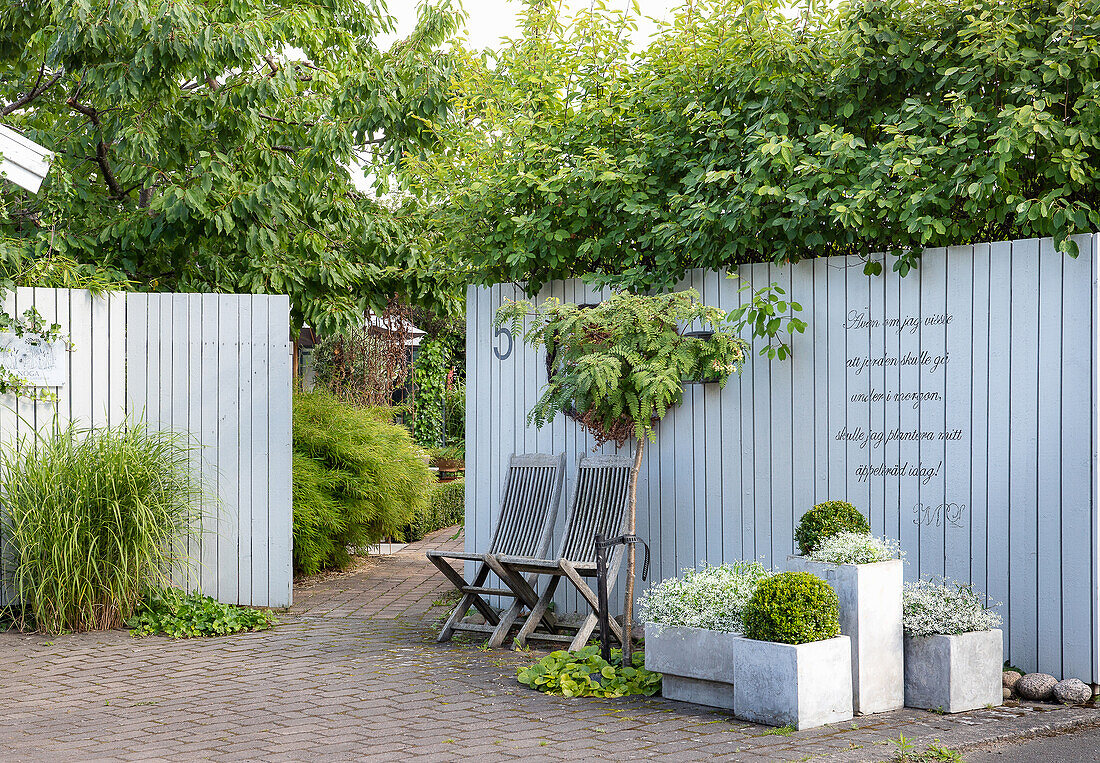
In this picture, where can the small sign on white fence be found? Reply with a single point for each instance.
(39, 363)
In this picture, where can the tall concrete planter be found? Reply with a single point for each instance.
(954, 673)
(870, 613)
(801, 685)
(696, 663)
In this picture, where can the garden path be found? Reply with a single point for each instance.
(347, 678)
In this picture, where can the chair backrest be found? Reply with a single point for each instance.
(528, 505)
(600, 500)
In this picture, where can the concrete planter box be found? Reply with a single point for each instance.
(802, 685)
(697, 664)
(870, 613)
(954, 673)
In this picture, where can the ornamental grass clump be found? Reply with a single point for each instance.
(827, 519)
(792, 608)
(948, 608)
(95, 517)
(856, 548)
(712, 598)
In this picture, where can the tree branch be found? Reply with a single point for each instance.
(33, 93)
(270, 118)
(100, 149)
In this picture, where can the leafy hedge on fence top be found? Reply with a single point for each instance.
(358, 478)
(742, 135)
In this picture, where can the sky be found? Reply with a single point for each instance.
(490, 20)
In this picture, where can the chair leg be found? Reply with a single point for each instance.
(538, 612)
(584, 633)
(507, 620)
(467, 600)
(522, 588)
(594, 602)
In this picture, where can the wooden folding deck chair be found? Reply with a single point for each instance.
(528, 510)
(599, 506)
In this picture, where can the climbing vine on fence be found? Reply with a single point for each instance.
(430, 370)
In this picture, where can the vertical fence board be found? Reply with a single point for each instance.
(228, 462)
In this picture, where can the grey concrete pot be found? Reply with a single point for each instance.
(870, 613)
(697, 664)
(801, 685)
(954, 673)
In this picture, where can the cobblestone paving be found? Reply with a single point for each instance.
(335, 682)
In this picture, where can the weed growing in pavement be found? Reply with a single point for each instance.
(907, 753)
(782, 731)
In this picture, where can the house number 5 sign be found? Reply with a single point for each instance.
(503, 354)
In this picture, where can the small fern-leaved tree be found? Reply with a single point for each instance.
(619, 366)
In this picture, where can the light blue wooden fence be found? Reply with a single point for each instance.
(216, 366)
(956, 407)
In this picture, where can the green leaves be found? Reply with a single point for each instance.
(743, 135)
(176, 614)
(620, 365)
(217, 146)
(585, 673)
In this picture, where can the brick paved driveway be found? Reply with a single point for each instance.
(344, 679)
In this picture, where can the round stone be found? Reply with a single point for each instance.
(1006, 693)
(1009, 678)
(1072, 691)
(1037, 687)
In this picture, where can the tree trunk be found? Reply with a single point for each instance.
(632, 512)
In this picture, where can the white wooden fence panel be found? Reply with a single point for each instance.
(999, 486)
(215, 367)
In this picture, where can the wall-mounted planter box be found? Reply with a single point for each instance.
(696, 663)
(954, 673)
(801, 685)
(870, 613)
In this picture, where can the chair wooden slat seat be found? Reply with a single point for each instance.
(598, 507)
(528, 510)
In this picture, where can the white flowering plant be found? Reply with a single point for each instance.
(856, 548)
(948, 607)
(711, 598)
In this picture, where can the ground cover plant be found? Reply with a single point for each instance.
(95, 516)
(713, 597)
(948, 607)
(825, 519)
(619, 366)
(585, 673)
(792, 608)
(358, 478)
(177, 614)
(855, 548)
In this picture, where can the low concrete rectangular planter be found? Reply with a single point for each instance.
(697, 664)
(802, 685)
(870, 613)
(954, 673)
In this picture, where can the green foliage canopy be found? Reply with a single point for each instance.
(620, 365)
(741, 134)
(209, 144)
